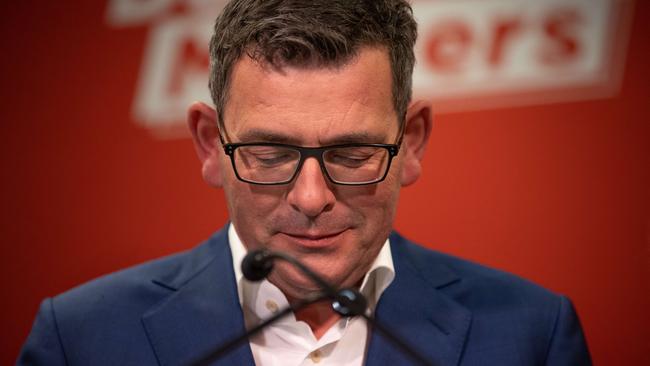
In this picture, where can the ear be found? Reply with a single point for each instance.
(202, 121)
(419, 120)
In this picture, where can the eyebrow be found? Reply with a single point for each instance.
(261, 135)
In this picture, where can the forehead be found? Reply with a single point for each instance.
(312, 105)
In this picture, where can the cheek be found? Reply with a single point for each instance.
(376, 205)
(244, 203)
(252, 207)
(386, 200)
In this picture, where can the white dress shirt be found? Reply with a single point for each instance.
(289, 342)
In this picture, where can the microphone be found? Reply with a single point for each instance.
(258, 264)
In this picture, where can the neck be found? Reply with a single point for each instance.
(319, 316)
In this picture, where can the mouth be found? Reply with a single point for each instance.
(314, 240)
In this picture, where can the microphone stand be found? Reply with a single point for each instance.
(347, 302)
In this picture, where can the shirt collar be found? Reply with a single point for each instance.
(375, 281)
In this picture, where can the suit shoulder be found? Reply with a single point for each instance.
(139, 286)
(472, 283)
(96, 318)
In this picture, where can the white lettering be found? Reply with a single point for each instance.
(474, 49)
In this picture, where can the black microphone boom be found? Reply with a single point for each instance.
(257, 264)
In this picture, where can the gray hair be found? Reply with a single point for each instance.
(315, 33)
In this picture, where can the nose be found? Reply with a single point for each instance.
(310, 193)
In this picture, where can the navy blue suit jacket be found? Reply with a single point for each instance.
(171, 310)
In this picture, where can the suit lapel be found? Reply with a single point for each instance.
(202, 312)
(417, 311)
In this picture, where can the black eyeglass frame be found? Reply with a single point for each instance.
(307, 152)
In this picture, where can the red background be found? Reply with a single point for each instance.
(559, 194)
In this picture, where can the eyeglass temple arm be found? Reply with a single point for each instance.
(221, 139)
(400, 133)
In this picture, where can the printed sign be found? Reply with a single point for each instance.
(472, 54)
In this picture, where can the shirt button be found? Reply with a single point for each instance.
(272, 306)
(316, 356)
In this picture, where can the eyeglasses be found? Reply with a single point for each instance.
(347, 164)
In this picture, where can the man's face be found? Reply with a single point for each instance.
(336, 230)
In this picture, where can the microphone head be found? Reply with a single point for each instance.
(350, 302)
(257, 264)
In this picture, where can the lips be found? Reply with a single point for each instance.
(315, 240)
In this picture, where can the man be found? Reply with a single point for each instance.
(312, 138)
